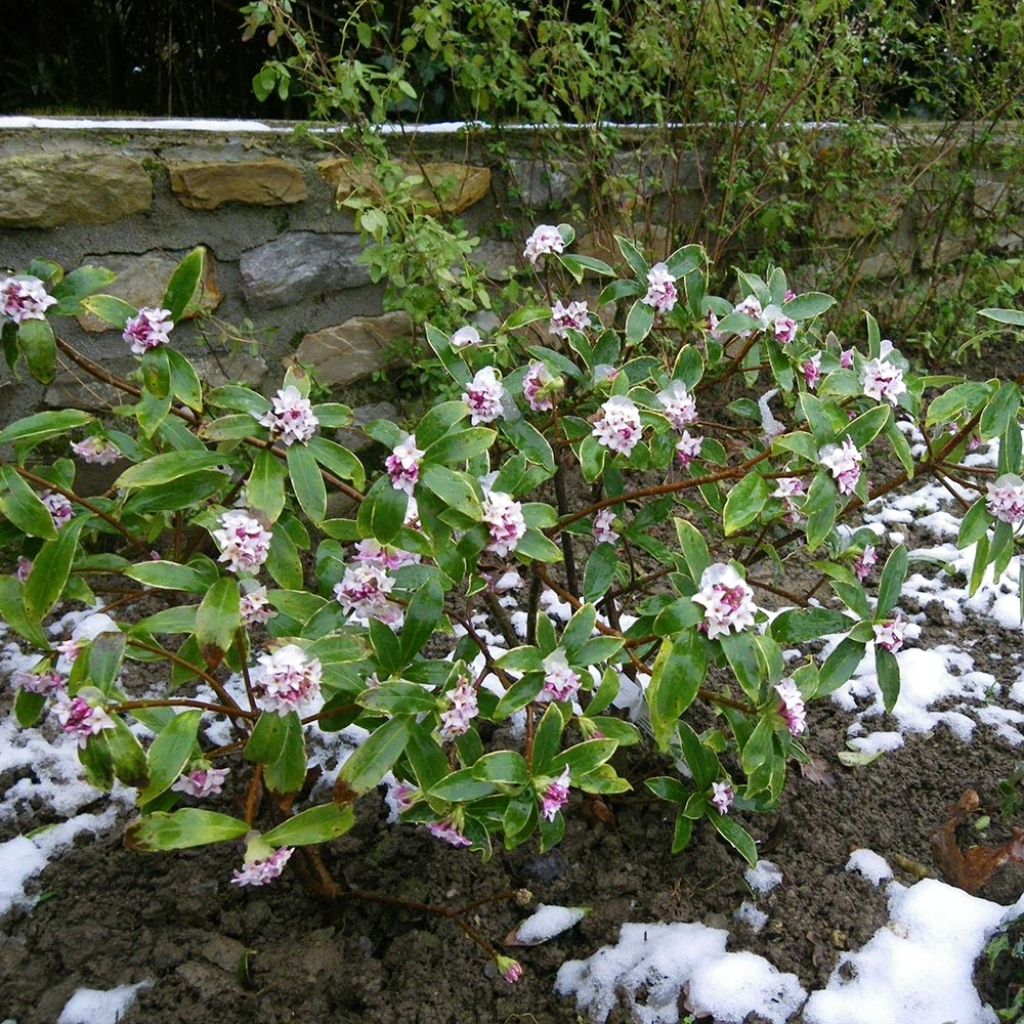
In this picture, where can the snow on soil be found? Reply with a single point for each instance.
(870, 865)
(547, 922)
(93, 1006)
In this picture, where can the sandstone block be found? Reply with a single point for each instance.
(447, 187)
(355, 349)
(208, 185)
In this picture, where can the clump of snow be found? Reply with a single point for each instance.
(763, 877)
(94, 1006)
(547, 922)
(652, 963)
(869, 864)
(751, 915)
(917, 969)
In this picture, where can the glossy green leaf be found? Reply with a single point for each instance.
(184, 283)
(218, 620)
(314, 825)
(371, 761)
(169, 753)
(307, 482)
(182, 830)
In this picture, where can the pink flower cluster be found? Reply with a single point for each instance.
(446, 831)
(256, 608)
(148, 329)
(545, 239)
(243, 542)
(363, 592)
(661, 289)
(1005, 499)
(455, 721)
(679, 405)
(291, 419)
(727, 600)
(465, 337)
(688, 448)
(45, 684)
(560, 681)
(812, 371)
(792, 709)
(722, 796)
(59, 507)
(785, 330)
(403, 465)
(603, 532)
(844, 462)
(889, 635)
(865, 562)
(883, 381)
(372, 552)
(81, 719)
(787, 488)
(574, 317)
(556, 796)
(618, 427)
(97, 450)
(286, 680)
(24, 298)
(202, 782)
(264, 870)
(504, 517)
(483, 396)
(535, 387)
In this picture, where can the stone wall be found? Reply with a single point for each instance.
(283, 268)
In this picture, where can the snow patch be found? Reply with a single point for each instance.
(93, 1006)
(869, 864)
(547, 922)
(764, 877)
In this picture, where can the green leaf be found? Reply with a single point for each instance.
(530, 442)
(37, 344)
(28, 708)
(314, 825)
(632, 255)
(50, 571)
(534, 545)
(23, 507)
(547, 740)
(168, 466)
(639, 322)
(865, 428)
(820, 509)
(582, 758)
(1014, 317)
(527, 315)
(373, 760)
(579, 629)
(106, 653)
(839, 666)
(307, 482)
(1001, 409)
(695, 548)
(277, 743)
(283, 562)
(745, 502)
(169, 576)
(808, 305)
(735, 835)
(43, 425)
(126, 754)
(218, 620)
(110, 309)
(505, 767)
(382, 514)
(338, 460)
(888, 670)
(265, 486)
(182, 830)
(169, 753)
(801, 625)
(600, 572)
(461, 787)
(12, 611)
(975, 524)
(422, 616)
(460, 445)
(454, 488)
(676, 678)
(891, 582)
(185, 383)
(184, 282)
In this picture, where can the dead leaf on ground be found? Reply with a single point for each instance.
(817, 772)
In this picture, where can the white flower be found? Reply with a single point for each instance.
(793, 712)
(728, 601)
(603, 522)
(255, 607)
(1005, 499)
(149, 329)
(403, 465)
(679, 405)
(483, 396)
(560, 681)
(286, 680)
(789, 487)
(890, 634)
(785, 330)
(202, 782)
(291, 419)
(97, 450)
(722, 796)
(546, 238)
(882, 380)
(504, 517)
(688, 448)
(661, 289)
(59, 507)
(844, 462)
(536, 379)
(243, 542)
(619, 425)
(24, 298)
(752, 308)
(455, 721)
(263, 871)
(464, 337)
(574, 317)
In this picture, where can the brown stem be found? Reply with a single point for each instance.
(133, 705)
(254, 797)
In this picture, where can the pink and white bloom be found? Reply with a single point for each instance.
(535, 387)
(546, 238)
(24, 298)
(560, 682)
(511, 970)
(792, 709)
(45, 684)
(291, 419)
(787, 488)
(574, 317)
(1005, 499)
(661, 289)
(688, 448)
(60, 509)
(455, 721)
(889, 635)
(618, 427)
(256, 608)
(504, 516)
(722, 796)
(727, 600)
(148, 329)
(883, 381)
(556, 796)
(603, 532)
(785, 330)
(363, 591)
(371, 552)
(679, 405)
(81, 719)
(750, 306)
(286, 680)
(243, 543)
(812, 370)
(82, 635)
(465, 337)
(96, 449)
(846, 359)
(202, 782)
(24, 568)
(264, 870)
(866, 561)
(844, 461)
(447, 831)
(483, 396)
(403, 465)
